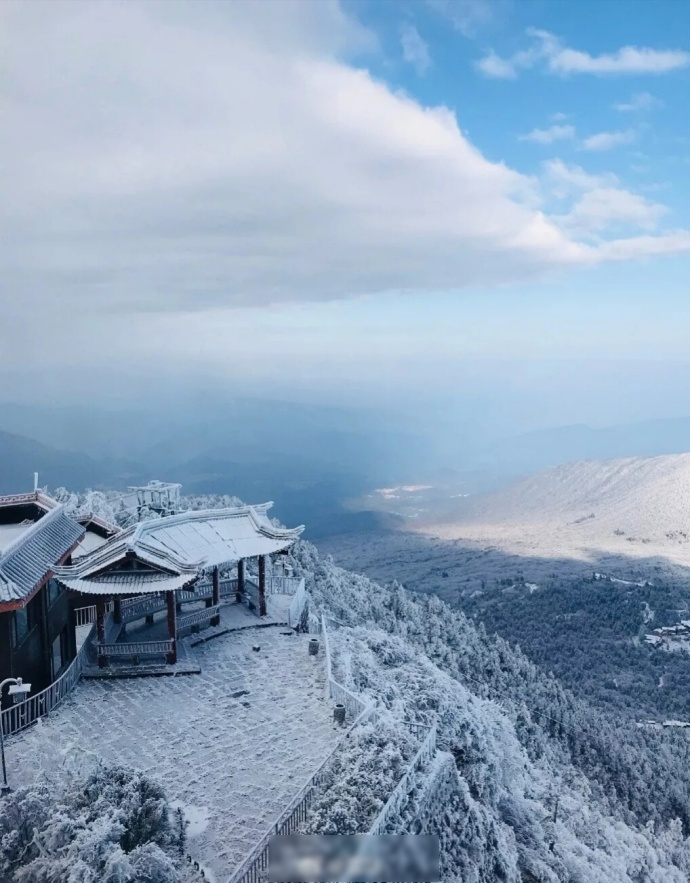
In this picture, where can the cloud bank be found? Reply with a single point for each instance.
(172, 158)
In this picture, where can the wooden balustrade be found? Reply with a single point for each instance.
(198, 617)
(135, 609)
(136, 648)
(283, 585)
(87, 615)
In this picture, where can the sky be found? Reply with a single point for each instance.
(355, 201)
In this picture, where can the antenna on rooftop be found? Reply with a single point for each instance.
(35, 482)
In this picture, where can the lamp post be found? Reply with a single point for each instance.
(17, 689)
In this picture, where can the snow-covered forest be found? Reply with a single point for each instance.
(111, 826)
(554, 789)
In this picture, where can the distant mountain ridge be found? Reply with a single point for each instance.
(20, 457)
(645, 495)
(632, 508)
(541, 449)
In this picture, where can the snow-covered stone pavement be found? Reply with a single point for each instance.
(233, 744)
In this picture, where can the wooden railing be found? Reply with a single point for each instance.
(22, 715)
(87, 615)
(136, 648)
(283, 585)
(197, 618)
(138, 607)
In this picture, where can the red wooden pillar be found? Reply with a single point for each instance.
(171, 658)
(215, 599)
(239, 597)
(100, 628)
(262, 585)
(117, 610)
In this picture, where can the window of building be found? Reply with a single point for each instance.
(20, 625)
(25, 619)
(58, 652)
(54, 591)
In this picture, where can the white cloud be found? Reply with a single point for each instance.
(548, 136)
(497, 68)
(549, 53)
(598, 204)
(466, 16)
(171, 158)
(563, 180)
(639, 101)
(603, 208)
(415, 49)
(676, 242)
(608, 140)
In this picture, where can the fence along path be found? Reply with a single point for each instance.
(424, 754)
(254, 867)
(22, 715)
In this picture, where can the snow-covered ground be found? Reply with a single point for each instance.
(232, 745)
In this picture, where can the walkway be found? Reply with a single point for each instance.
(233, 744)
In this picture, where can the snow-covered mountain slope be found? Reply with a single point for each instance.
(636, 507)
(547, 788)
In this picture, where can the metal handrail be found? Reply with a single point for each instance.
(297, 604)
(22, 715)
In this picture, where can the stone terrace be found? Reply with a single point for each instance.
(232, 756)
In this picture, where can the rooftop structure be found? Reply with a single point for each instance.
(36, 535)
(165, 558)
(157, 496)
(98, 532)
(156, 555)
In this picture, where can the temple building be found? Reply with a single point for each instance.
(178, 564)
(37, 641)
(127, 597)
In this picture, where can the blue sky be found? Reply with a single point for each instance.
(377, 194)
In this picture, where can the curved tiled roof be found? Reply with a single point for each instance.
(28, 559)
(180, 545)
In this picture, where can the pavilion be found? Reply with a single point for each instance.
(160, 565)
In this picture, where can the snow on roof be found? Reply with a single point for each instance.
(181, 545)
(9, 532)
(130, 583)
(212, 537)
(43, 501)
(32, 554)
(89, 543)
(91, 522)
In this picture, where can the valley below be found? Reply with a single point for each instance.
(576, 565)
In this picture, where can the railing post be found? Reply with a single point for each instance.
(239, 595)
(262, 585)
(171, 657)
(100, 626)
(215, 596)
